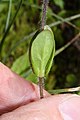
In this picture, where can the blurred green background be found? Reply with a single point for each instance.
(18, 22)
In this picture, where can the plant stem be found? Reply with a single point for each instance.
(31, 34)
(41, 86)
(44, 9)
(59, 17)
(69, 23)
(68, 44)
(58, 91)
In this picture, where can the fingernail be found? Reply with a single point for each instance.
(70, 108)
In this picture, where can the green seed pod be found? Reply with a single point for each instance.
(42, 50)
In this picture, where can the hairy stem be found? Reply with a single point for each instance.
(44, 9)
(41, 86)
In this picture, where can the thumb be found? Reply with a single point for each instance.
(57, 107)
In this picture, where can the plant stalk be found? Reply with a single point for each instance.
(44, 9)
(41, 86)
(67, 45)
(65, 90)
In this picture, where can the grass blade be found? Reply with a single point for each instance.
(9, 13)
(5, 34)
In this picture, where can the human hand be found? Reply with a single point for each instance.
(17, 96)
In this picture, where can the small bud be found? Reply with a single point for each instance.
(42, 51)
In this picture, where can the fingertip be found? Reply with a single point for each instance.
(70, 108)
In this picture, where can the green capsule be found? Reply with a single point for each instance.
(42, 51)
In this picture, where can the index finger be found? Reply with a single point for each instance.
(15, 91)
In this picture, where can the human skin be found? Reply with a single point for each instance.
(19, 100)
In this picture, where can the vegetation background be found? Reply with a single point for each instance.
(18, 22)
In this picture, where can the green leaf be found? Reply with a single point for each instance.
(59, 3)
(42, 52)
(32, 77)
(28, 75)
(21, 64)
